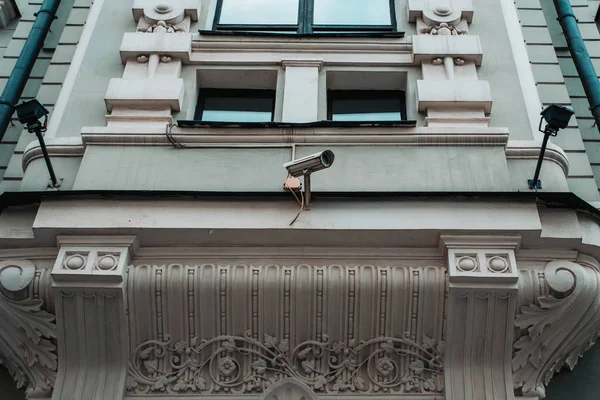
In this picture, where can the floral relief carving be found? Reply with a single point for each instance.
(244, 365)
(558, 328)
(443, 29)
(26, 332)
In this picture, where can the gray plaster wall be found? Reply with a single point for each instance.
(499, 69)
(358, 168)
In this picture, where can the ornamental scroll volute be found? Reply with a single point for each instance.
(558, 327)
(27, 332)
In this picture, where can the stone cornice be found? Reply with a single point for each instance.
(530, 150)
(57, 147)
(239, 137)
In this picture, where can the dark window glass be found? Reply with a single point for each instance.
(306, 16)
(366, 105)
(225, 105)
(352, 12)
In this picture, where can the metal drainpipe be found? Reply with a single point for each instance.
(580, 56)
(20, 73)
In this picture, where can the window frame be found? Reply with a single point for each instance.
(203, 93)
(342, 94)
(305, 25)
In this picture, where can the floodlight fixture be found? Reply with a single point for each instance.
(557, 117)
(29, 113)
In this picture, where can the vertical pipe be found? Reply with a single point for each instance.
(20, 73)
(580, 56)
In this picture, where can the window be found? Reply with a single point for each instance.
(230, 105)
(306, 16)
(366, 105)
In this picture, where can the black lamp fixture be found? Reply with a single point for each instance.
(557, 117)
(29, 113)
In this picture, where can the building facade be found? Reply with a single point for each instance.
(177, 259)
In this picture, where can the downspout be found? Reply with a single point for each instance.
(20, 73)
(581, 58)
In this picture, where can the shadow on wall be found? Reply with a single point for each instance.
(583, 383)
(8, 389)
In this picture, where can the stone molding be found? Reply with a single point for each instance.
(530, 150)
(57, 147)
(93, 338)
(230, 137)
(27, 331)
(428, 47)
(214, 50)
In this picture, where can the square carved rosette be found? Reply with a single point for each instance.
(81, 263)
(469, 265)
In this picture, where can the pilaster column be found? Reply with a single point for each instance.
(92, 330)
(301, 91)
(450, 91)
(482, 300)
(151, 87)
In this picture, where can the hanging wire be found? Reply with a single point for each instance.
(171, 139)
(297, 199)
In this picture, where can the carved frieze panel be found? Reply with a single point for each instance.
(240, 329)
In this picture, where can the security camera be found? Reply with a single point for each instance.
(309, 164)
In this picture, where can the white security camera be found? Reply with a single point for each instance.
(309, 164)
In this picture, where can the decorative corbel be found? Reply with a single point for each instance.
(93, 336)
(26, 332)
(558, 327)
(482, 298)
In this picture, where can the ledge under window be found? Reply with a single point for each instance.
(293, 35)
(316, 124)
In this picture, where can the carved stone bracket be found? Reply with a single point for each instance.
(559, 326)
(93, 339)
(481, 309)
(27, 347)
(164, 16)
